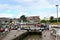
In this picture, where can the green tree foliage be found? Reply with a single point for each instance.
(23, 18)
(51, 19)
(6, 21)
(0, 25)
(59, 19)
(11, 21)
(43, 21)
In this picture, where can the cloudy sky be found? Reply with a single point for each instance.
(16, 8)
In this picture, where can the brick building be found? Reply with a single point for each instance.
(33, 19)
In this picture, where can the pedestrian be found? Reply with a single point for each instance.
(6, 29)
(9, 29)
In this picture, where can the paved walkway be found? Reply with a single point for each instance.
(13, 34)
(46, 35)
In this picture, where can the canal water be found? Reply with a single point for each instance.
(33, 36)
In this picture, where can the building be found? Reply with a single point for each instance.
(2, 20)
(15, 20)
(33, 19)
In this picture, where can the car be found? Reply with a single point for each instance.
(38, 24)
(2, 29)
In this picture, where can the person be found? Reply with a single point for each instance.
(9, 29)
(6, 29)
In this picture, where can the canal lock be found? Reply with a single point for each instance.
(30, 36)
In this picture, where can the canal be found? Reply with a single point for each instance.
(30, 36)
(34, 36)
(45, 35)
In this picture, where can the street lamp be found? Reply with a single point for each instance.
(57, 12)
(57, 21)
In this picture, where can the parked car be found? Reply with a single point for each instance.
(2, 29)
(38, 25)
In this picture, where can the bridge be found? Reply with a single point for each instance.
(31, 27)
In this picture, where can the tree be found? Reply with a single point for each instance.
(10, 20)
(23, 18)
(59, 19)
(6, 21)
(51, 19)
(43, 21)
(0, 25)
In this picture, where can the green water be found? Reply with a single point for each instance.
(33, 37)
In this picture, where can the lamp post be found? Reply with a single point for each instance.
(57, 12)
(57, 21)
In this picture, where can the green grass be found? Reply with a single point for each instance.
(55, 23)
